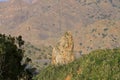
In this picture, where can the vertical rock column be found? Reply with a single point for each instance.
(63, 51)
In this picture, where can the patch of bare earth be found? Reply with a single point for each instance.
(68, 77)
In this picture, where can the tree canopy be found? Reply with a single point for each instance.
(11, 55)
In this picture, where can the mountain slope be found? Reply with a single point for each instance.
(93, 23)
(99, 35)
(99, 64)
(50, 17)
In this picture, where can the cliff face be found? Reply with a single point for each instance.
(63, 51)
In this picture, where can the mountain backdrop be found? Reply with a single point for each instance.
(95, 24)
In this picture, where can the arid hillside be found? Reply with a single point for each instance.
(93, 23)
(99, 35)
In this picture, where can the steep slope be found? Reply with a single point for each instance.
(13, 13)
(53, 16)
(98, 65)
(99, 35)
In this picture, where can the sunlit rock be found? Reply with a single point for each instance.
(63, 51)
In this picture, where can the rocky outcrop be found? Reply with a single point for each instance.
(63, 51)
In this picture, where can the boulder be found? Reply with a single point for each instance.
(63, 52)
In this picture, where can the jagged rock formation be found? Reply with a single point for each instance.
(63, 51)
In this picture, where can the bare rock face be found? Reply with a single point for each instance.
(63, 51)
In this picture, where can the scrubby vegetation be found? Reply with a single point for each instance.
(40, 56)
(98, 65)
(42, 52)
